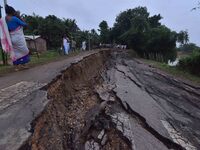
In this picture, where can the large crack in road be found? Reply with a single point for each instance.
(111, 101)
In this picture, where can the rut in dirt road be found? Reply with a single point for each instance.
(111, 101)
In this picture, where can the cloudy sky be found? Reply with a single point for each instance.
(177, 14)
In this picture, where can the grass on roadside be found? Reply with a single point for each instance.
(44, 57)
(174, 71)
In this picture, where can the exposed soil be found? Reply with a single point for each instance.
(110, 102)
(73, 119)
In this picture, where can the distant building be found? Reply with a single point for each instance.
(36, 43)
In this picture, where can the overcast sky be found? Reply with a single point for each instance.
(177, 14)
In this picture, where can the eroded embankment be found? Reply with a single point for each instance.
(105, 101)
(75, 116)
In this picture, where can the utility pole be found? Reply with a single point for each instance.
(2, 53)
(5, 2)
(89, 42)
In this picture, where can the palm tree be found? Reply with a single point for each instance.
(183, 37)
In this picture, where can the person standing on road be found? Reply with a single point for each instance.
(15, 27)
(83, 46)
(73, 45)
(66, 45)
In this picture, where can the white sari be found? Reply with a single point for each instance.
(19, 43)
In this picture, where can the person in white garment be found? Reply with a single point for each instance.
(20, 50)
(84, 45)
(66, 45)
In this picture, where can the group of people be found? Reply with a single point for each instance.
(12, 38)
(68, 45)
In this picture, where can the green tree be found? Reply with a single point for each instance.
(145, 34)
(71, 27)
(189, 47)
(125, 21)
(162, 43)
(95, 38)
(33, 23)
(104, 32)
(155, 21)
(183, 37)
(52, 29)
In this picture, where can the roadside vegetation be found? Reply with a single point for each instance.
(175, 71)
(188, 66)
(191, 63)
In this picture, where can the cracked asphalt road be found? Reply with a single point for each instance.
(170, 107)
(42, 74)
(128, 105)
(22, 100)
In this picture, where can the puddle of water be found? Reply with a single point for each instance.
(173, 64)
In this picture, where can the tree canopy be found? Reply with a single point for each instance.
(183, 37)
(53, 29)
(146, 35)
(189, 47)
(104, 32)
(133, 27)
